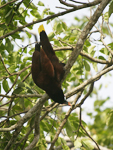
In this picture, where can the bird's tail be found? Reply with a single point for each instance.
(44, 41)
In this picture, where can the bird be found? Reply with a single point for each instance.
(45, 72)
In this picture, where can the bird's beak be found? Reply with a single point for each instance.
(67, 103)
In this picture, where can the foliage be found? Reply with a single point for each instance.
(19, 94)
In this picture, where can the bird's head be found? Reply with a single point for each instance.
(59, 97)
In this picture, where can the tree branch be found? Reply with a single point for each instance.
(85, 55)
(4, 65)
(94, 78)
(8, 3)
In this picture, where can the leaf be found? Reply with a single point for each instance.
(0, 87)
(5, 85)
(91, 48)
(69, 129)
(101, 57)
(51, 35)
(95, 66)
(35, 14)
(87, 66)
(9, 12)
(87, 144)
(77, 143)
(110, 8)
(105, 51)
(21, 102)
(21, 84)
(110, 119)
(59, 28)
(18, 90)
(64, 26)
(40, 3)
(100, 86)
(106, 17)
(9, 46)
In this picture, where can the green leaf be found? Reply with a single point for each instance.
(21, 84)
(64, 26)
(95, 66)
(5, 85)
(51, 35)
(0, 87)
(35, 14)
(100, 86)
(9, 46)
(87, 66)
(110, 8)
(91, 48)
(40, 3)
(21, 102)
(87, 144)
(18, 90)
(9, 12)
(69, 129)
(106, 17)
(110, 119)
(101, 57)
(59, 28)
(77, 143)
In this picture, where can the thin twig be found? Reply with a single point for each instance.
(4, 65)
(90, 137)
(8, 3)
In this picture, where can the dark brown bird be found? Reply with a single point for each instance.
(45, 72)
